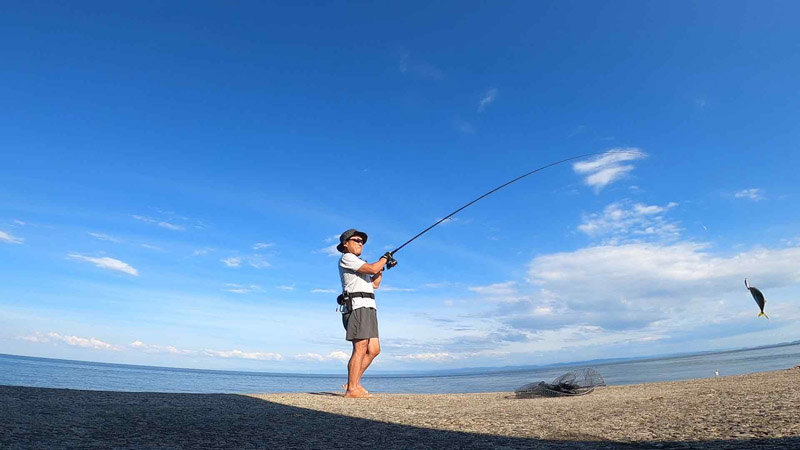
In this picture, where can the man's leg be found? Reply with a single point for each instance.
(373, 350)
(354, 367)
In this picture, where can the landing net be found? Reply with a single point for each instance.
(575, 382)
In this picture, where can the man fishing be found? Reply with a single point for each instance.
(359, 315)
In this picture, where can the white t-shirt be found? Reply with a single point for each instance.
(353, 281)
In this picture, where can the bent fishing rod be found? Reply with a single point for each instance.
(390, 255)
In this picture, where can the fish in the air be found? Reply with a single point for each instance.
(758, 297)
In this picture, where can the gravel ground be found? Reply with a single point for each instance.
(743, 412)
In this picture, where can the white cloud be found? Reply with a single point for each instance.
(202, 251)
(104, 237)
(639, 286)
(435, 357)
(241, 289)
(462, 126)
(506, 291)
(260, 245)
(338, 355)
(324, 291)
(152, 247)
(625, 221)
(396, 289)
(487, 99)
(75, 341)
(332, 356)
(244, 355)
(9, 239)
(751, 194)
(285, 288)
(171, 226)
(108, 263)
(310, 357)
(232, 262)
(605, 169)
(256, 261)
(154, 348)
(331, 250)
(160, 223)
(419, 69)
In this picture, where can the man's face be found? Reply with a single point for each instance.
(355, 245)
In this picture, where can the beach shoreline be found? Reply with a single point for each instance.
(743, 411)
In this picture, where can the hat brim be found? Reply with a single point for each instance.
(341, 248)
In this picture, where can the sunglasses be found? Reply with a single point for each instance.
(358, 240)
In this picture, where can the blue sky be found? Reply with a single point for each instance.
(174, 176)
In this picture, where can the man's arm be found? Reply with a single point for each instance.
(374, 268)
(376, 280)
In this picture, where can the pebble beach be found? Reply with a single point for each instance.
(746, 411)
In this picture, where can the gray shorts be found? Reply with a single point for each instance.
(361, 323)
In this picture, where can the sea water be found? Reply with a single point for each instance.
(56, 373)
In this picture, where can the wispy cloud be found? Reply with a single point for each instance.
(751, 194)
(580, 129)
(160, 223)
(506, 291)
(454, 220)
(171, 226)
(433, 357)
(152, 247)
(242, 289)
(324, 291)
(104, 237)
(335, 356)
(232, 262)
(261, 245)
(624, 221)
(244, 355)
(331, 249)
(9, 239)
(436, 285)
(255, 261)
(76, 341)
(396, 289)
(419, 69)
(285, 288)
(605, 169)
(202, 251)
(462, 126)
(487, 99)
(108, 263)
(154, 348)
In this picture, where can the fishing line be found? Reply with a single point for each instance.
(506, 184)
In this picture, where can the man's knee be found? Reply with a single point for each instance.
(360, 346)
(374, 348)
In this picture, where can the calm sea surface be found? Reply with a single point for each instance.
(55, 373)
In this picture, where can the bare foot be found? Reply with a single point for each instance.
(357, 394)
(360, 388)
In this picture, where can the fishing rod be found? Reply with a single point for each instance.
(390, 255)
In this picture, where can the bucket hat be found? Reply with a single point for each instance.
(347, 235)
